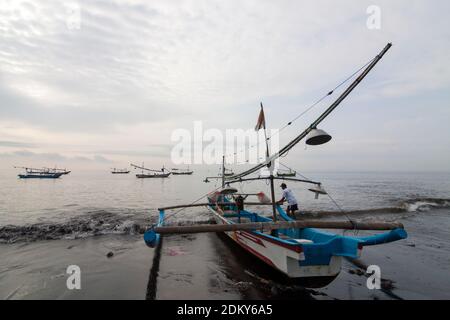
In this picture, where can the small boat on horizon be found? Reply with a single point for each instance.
(288, 173)
(228, 172)
(120, 171)
(34, 173)
(155, 173)
(176, 171)
(225, 172)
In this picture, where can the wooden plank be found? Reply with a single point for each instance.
(184, 206)
(219, 203)
(267, 226)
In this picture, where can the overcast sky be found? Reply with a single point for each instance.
(110, 87)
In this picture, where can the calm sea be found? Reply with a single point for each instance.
(87, 203)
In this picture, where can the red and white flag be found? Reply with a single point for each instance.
(261, 120)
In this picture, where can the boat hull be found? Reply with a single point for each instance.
(40, 176)
(256, 266)
(145, 176)
(286, 174)
(281, 256)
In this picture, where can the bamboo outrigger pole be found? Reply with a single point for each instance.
(268, 226)
(205, 204)
(275, 178)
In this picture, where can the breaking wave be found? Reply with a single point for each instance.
(425, 204)
(104, 222)
(88, 225)
(408, 206)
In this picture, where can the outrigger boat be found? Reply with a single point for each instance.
(34, 173)
(300, 249)
(176, 171)
(227, 172)
(120, 171)
(155, 173)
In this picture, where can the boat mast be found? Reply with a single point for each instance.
(223, 171)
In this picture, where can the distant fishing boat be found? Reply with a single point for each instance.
(120, 171)
(289, 173)
(34, 173)
(298, 249)
(227, 172)
(155, 173)
(176, 171)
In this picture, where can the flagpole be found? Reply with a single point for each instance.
(265, 135)
(223, 171)
(272, 187)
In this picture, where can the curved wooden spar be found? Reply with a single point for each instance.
(268, 226)
(143, 168)
(31, 169)
(275, 178)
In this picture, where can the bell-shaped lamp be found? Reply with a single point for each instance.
(317, 136)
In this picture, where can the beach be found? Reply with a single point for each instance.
(115, 263)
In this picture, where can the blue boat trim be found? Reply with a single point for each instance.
(324, 244)
(151, 238)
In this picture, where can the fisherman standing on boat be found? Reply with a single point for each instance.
(288, 196)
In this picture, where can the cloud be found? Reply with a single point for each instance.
(51, 157)
(136, 70)
(16, 144)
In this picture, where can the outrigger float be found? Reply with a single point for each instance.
(299, 249)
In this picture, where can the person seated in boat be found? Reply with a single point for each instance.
(288, 196)
(239, 201)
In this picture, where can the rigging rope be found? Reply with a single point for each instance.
(328, 194)
(309, 107)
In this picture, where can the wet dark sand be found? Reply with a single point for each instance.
(210, 266)
(38, 270)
